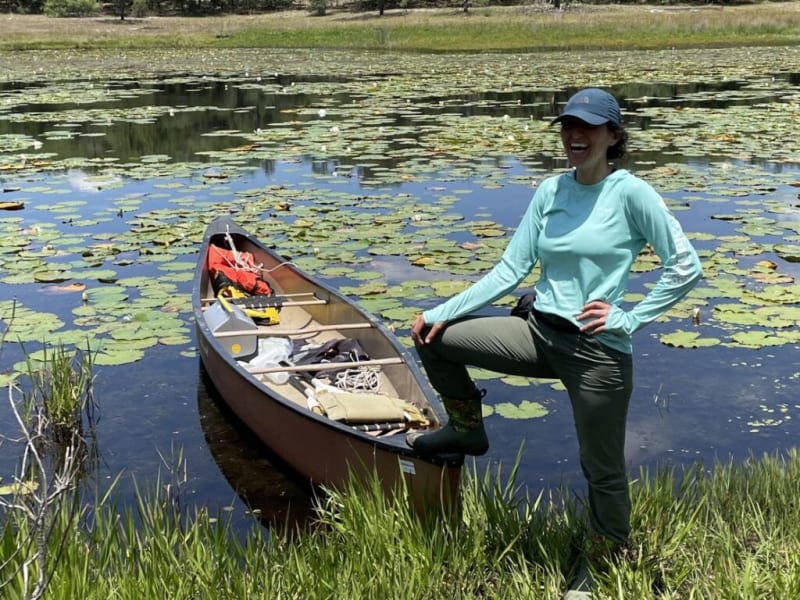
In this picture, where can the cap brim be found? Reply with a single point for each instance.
(584, 116)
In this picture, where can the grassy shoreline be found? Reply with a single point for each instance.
(500, 29)
(726, 532)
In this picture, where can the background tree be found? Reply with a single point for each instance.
(123, 8)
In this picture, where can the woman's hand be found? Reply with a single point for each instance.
(423, 334)
(598, 312)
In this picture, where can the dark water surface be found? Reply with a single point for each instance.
(689, 405)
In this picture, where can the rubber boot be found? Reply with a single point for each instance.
(464, 432)
(595, 556)
(580, 588)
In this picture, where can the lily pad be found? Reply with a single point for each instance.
(18, 488)
(687, 339)
(524, 410)
(788, 252)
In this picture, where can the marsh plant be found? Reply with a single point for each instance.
(50, 412)
(61, 389)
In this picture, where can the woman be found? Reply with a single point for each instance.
(585, 228)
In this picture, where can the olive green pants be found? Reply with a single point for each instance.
(599, 381)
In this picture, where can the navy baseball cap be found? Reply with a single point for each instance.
(593, 106)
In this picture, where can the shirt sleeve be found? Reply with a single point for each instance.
(517, 262)
(681, 266)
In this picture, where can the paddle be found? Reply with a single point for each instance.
(273, 330)
(306, 389)
(331, 365)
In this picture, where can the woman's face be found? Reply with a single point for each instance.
(586, 147)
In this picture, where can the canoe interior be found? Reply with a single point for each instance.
(396, 380)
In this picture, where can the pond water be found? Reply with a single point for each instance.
(398, 185)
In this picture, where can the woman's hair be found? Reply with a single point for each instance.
(618, 149)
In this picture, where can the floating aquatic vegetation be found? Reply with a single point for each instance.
(22, 324)
(788, 252)
(525, 409)
(429, 167)
(688, 339)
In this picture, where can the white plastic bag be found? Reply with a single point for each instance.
(271, 351)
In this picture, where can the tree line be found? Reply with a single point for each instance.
(198, 7)
(144, 7)
(122, 8)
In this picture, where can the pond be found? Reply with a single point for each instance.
(398, 179)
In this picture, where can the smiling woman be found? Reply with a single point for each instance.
(584, 228)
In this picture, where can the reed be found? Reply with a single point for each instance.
(61, 387)
(55, 451)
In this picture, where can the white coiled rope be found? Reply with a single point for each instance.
(360, 379)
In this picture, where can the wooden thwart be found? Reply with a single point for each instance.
(209, 300)
(281, 304)
(328, 365)
(272, 331)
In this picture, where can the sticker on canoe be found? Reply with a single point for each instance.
(407, 467)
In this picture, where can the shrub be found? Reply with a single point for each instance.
(71, 8)
(140, 8)
(318, 7)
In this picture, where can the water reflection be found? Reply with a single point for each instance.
(186, 120)
(273, 494)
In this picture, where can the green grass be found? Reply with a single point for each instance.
(519, 37)
(730, 532)
(503, 29)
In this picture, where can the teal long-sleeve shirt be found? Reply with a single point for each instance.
(586, 238)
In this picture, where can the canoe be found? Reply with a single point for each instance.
(326, 429)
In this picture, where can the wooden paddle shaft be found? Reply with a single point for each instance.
(328, 365)
(271, 331)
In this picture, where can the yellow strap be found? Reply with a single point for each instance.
(269, 314)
